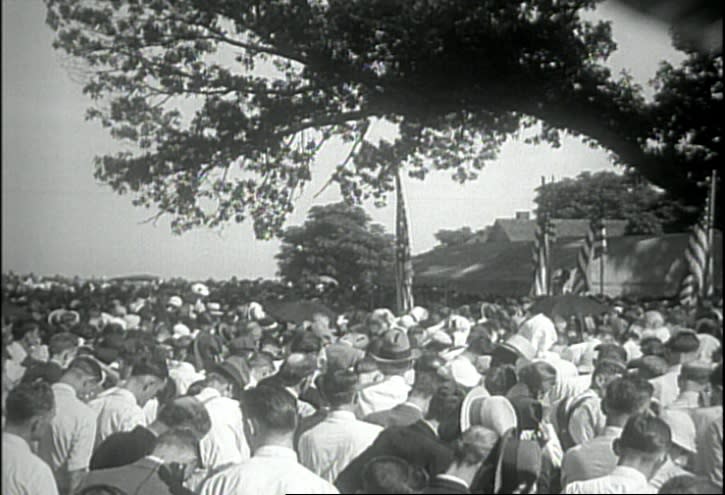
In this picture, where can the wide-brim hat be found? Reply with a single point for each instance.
(395, 347)
(175, 301)
(475, 395)
(214, 309)
(519, 345)
(200, 289)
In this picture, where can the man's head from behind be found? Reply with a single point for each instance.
(270, 415)
(29, 409)
(85, 375)
(63, 348)
(625, 397)
(339, 387)
(644, 443)
(148, 377)
(180, 446)
(388, 474)
(188, 413)
(606, 371)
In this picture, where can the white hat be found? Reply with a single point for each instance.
(406, 321)
(256, 311)
(464, 373)
(214, 308)
(175, 301)
(419, 313)
(132, 321)
(200, 289)
(181, 330)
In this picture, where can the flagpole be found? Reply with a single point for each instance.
(710, 274)
(603, 243)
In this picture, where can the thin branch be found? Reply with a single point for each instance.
(353, 149)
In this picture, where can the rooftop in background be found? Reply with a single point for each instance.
(518, 229)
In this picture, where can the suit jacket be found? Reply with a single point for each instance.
(446, 486)
(123, 448)
(401, 415)
(417, 443)
(139, 478)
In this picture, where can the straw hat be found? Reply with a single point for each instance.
(395, 348)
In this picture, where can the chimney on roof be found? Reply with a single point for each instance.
(523, 215)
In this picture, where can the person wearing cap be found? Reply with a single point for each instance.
(430, 374)
(641, 450)
(68, 444)
(225, 443)
(681, 348)
(471, 449)
(127, 447)
(624, 398)
(394, 357)
(693, 382)
(121, 408)
(327, 448)
(270, 421)
(682, 447)
(580, 418)
(419, 443)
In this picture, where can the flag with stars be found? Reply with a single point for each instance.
(698, 280)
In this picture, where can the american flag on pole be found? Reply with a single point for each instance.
(403, 263)
(595, 243)
(540, 257)
(698, 282)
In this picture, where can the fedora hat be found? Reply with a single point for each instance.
(234, 369)
(395, 348)
(477, 395)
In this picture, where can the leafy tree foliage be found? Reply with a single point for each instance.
(338, 241)
(454, 237)
(606, 195)
(273, 80)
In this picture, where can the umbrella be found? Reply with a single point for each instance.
(568, 305)
(299, 311)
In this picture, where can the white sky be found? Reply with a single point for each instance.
(56, 219)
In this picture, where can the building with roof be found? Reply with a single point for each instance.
(522, 228)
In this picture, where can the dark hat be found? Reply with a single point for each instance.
(356, 340)
(650, 366)
(234, 369)
(697, 371)
(242, 343)
(685, 341)
(519, 462)
(366, 365)
(395, 348)
(429, 362)
(181, 342)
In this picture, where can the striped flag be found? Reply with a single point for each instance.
(698, 281)
(541, 258)
(595, 243)
(403, 263)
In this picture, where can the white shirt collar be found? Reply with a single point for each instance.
(452, 478)
(64, 387)
(275, 451)
(413, 405)
(630, 473)
(432, 428)
(342, 415)
(612, 431)
(155, 459)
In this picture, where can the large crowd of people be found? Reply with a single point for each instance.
(121, 388)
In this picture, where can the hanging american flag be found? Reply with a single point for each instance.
(403, 263)
(595, 244)
(698, 281)
(541, 259)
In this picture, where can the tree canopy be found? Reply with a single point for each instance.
(272, 81)
(606, 195)
(454, 237)
(338, 241)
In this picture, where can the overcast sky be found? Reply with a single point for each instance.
(56, 219)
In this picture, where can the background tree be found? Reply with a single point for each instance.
(612, 196)
(454, 237)
(272, 81)
(337, 240)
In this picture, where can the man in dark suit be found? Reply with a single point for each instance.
(429, 375)
(178, 447)
(418, 443)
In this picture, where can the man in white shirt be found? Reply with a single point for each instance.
(121, 408)
(270, 421)
(29, 409)
(624, 398)
(394, 356)
(328, 448)
(225, 443)
(642, 450)
(681, 348)
(68, 444)
(693, 383)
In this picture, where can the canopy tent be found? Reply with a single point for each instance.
(635, 265)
